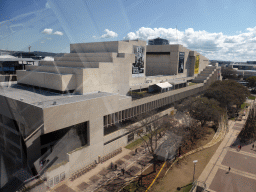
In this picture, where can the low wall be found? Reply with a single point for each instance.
(6, 78)
(57, 175)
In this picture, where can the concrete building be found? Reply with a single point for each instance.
(68, 112)
(244, 70)
(173, 60)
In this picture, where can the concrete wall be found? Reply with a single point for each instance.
(168, 65)
(55, 81)
(164, 64)
(50, 175)
(110, 46)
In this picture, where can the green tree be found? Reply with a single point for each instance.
(248, 133)
(228, 73)
(251, 81)
(202, 109)
(228, 93)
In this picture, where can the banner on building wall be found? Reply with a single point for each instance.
(181, 62)
(138, 66)
(197, 64)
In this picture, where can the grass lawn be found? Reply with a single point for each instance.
(140, 141)
(136, 143)
(182, 174)
(244, 105)
(192, 84)
(186, 188)
(251, 97)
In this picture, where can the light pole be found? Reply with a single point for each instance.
(194, 169)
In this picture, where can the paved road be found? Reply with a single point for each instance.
(242, 176)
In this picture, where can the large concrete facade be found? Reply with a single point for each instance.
(164, 60)
(100, 76)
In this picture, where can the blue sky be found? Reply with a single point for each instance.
(218, 29)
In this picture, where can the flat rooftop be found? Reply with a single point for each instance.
(43, 98)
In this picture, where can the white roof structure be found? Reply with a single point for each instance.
(164, 85)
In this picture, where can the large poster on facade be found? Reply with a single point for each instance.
(138, 66)
(197, 64)
(181, 62)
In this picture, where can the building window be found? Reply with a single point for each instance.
(181, 62)
(56, 180)
(62, 176)
(130, 137)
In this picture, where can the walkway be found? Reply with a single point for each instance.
(242, 176)
(102, 178)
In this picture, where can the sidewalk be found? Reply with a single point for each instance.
(98, 177)
(216, 175)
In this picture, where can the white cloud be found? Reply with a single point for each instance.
(240, 47)
(57, 33)
(47, 5)
(109, 34)
(47, 31)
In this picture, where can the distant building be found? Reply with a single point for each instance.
(27, 55)
(251, 62)
(158, 41)
(244, 70)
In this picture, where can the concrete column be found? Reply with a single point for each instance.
(126, 114)
(123, 115)
(120, 116)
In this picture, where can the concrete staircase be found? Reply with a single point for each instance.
(205, 74)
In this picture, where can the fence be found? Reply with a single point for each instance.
(82, 171)
(110, 155)
(86, 169)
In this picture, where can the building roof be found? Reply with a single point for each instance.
(167, 150)
(43, 98)
(164, 85)
(12, 58)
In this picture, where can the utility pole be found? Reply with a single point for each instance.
(194, 169)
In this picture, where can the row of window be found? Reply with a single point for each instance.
(120, 116)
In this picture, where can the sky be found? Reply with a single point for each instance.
(220, 30)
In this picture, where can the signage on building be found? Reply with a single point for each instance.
(197, 64)
(138, 66)
(181, 62)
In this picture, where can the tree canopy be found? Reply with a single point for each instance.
(228, 73)
(202, 109)
(227, 93)
(251, 81)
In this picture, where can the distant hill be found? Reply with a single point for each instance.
(37, 53)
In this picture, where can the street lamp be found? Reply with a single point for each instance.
(194, 169)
